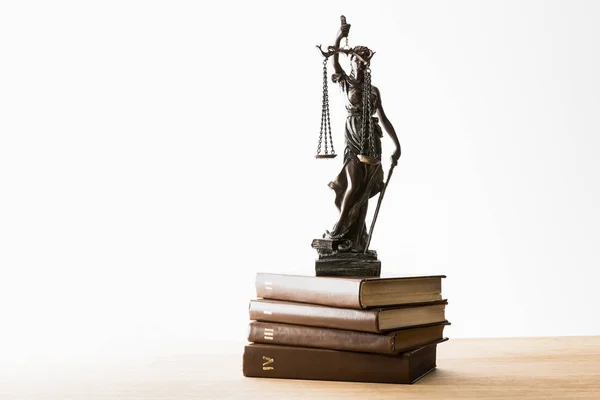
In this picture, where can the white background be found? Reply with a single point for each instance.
(155, 155)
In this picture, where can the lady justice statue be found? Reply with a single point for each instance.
(343, 250)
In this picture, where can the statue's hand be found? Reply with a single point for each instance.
(344, 31)
(395, 157)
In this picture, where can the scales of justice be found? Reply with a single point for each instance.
(344, 249)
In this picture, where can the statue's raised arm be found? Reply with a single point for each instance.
(342, 33)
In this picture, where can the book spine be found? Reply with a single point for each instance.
(313, 315)
(334, 292)
(266, 361)
(324, 338)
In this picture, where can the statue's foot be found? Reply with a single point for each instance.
(361, 250)
(334, 234)
(358, 249)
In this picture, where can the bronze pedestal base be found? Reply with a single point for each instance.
(335, 261)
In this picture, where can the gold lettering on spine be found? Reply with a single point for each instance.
(266, 362)
(268, 285)
(267, 312)
(269, 333)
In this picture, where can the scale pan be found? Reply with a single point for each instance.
(367, 159)
(326, 156)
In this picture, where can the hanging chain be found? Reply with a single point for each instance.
(325, 117)
(369, 112)
(326, 96)
(367, 122)
(323, 107)
(365, 117)
(325, 112)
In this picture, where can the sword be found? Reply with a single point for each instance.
(378, 207)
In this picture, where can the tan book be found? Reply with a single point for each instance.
(272, 361)
(372, 320)
(337, 339)
(356, 293)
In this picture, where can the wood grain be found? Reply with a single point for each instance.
(532, 368)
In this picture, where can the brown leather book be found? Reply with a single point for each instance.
(272, 361)
(357, 293)
(372, 320)
(337, 339)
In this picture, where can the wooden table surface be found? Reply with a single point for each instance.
(532, 368)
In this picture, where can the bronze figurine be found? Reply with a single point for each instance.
(343, 250)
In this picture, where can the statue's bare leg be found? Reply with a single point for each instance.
(359, 231)
(354, 177)
(338, 185)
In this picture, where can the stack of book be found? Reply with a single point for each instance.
(345, 329)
